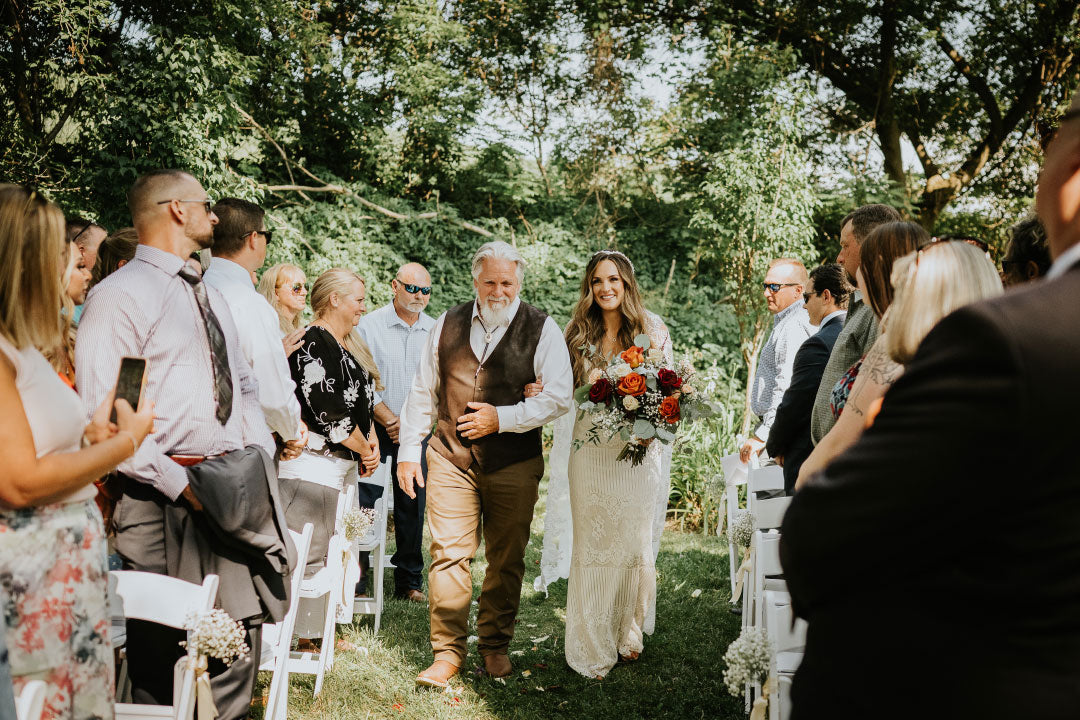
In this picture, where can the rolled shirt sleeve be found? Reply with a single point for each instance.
(551, 363)
(418, 413)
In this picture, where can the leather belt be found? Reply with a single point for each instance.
(189, 460)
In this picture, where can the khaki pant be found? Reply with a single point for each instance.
(460, 505)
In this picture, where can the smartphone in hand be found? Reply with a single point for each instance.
(130, 382)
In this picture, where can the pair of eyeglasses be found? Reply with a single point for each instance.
(409, 288)
(807, 295)
(81, 232)
(298, 288)
(775, 287)
(205, 203)
(268, 234)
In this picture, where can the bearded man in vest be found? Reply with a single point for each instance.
(485, 457)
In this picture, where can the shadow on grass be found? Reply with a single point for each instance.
(679, 675)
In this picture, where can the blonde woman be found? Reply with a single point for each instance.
(285, 287)
(52, 543)
(928, 285)
(604, 518)
(336, 380)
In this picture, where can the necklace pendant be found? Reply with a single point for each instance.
(487, 338)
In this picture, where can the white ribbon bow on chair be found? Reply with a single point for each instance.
(204, 695)
(740, 575)
(761, 706)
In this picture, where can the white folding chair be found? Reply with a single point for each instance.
(788, 637)
(768, 516)
(321, 594)
(761, 481)
(374, 543)
(167, 601)
(31, 701)
(735, 474)
(277, 637)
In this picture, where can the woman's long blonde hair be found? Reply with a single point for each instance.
(586, 327)
(268, 286)
(931, 283)
(339, 280)
(32, 244)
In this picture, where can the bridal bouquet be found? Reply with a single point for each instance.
(639, 398)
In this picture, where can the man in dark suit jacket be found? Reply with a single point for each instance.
(938, 560)
(789, 442)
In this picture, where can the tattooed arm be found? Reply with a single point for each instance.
(876, 376)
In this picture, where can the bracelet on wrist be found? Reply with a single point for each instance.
(131, 437)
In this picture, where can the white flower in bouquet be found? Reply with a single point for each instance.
(630, 403)
(215, 634)
(655, 356)
(622, 370)
(747, 659)
(742, 528)
(595, 374)
(357, 522)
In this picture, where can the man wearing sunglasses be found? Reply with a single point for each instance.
(240, 240)
(397, 335)
(784, 284)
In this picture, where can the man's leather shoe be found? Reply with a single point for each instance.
(414, 596)
(498, 665)
(438, 675)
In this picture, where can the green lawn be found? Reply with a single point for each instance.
(678, 676)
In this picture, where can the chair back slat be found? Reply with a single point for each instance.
(787, 633)
(162, 599)
(769, 514)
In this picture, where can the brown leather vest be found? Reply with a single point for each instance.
(500, 381)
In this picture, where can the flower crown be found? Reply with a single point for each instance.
(616, 252)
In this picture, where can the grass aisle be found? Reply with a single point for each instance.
(678, 676)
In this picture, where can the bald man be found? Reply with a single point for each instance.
(783, 285)
(206, 404)
(397, 334)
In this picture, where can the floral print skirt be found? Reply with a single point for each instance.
(53, 584)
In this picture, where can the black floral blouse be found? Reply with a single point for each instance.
(335, 393)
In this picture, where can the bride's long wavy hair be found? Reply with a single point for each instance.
(586, 326)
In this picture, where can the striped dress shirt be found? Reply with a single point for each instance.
(145, 309)
(776, 362)
(397, 348)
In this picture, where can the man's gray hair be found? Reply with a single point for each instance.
(498, 250)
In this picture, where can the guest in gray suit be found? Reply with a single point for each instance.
(156, 307)
(860, 326)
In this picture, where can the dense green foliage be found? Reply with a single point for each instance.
(699, 137)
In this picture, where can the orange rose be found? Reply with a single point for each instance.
(634, 356)
(632, 384)
(669, 409)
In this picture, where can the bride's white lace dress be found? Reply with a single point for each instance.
(602, 529)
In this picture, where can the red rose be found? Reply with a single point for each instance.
(632, 384)
(601, 391)
(669, 379)
(669, 409)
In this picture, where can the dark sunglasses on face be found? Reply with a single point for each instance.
(205, 203)
(807, 295)
(268, 234)
(411, 289)
(775, 287)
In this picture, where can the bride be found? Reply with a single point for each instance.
(617, 510)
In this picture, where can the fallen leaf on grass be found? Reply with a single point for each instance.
(532, 625)
(542, 666)
(679, 586)
(537, 641)
(399, 707)
(540, 688)
(501, 680)
(526, 673)
(696, 593)
(517, 652)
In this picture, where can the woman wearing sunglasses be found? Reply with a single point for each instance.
(285, 288)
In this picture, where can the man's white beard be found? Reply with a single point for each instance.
(494, 312)
(415, 306)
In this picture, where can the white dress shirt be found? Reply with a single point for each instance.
(260, 341)
(835, 313)
(397, 348)
(1065, 261)
(551, 363)
(145, 309)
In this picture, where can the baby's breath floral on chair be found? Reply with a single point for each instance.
(212, 634)
(747, 659)
(742, 528)
(357, 522)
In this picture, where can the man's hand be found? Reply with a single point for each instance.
(291, 450)
(753, 445)
(390, 422)
(192, 500)
(409, 476)
(484, 420)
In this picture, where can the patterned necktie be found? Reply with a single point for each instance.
(219, 354)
